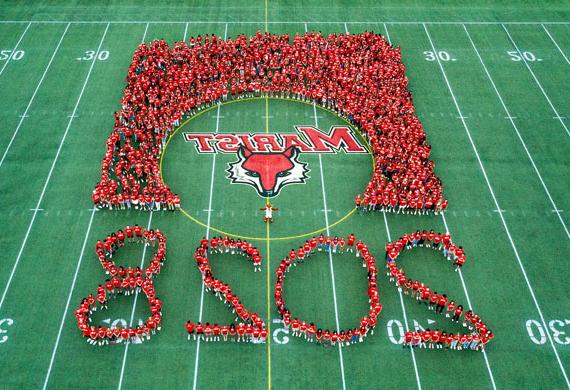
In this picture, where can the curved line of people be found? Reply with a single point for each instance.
(250, 327)
(359, 76)
(308, 330)
(439, 303)
(124, 281)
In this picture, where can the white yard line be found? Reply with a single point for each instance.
(120, 385)
(330, 255)
(555, 43)
(55, 347)
(325, 208)
(515, 127)
(560, 119)
(25, 114)
(460, 274)
(197, 357)
(38, 204)
(471, 308)
(14, 49)
(492, 192)
(46, 381)
(185, 32)
(402, 304)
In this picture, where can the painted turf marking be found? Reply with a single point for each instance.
(514, 23)
(120, 385)
(390, 239)
(93, 211)
(25, 114)
(12, 53)
(537, 83)
(507, 231)
(438, 58)
(404, 312)
(515, 127)
(471, 308)
(555, 43)
(197, 357)
(49, 177)
(56, 345)
(328, 234)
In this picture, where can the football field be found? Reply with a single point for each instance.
(490, 85)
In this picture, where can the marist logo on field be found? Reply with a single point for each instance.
(270, 161)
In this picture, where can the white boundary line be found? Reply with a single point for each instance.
(282, 22)
(403, 307)
(25, 114)
(54, 351)
(120, 385)
(515, 127)
(14, 49)
(537, 82)
(38, 204)
(195, 378)
(553, 41)
(507, 231)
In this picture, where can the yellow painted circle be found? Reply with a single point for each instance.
(284, 238)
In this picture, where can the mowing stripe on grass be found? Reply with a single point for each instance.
(38, 204)
(555, 43)
(25, 114)
(492, 192)
(14, 49)
(511, 119)
(537, 82)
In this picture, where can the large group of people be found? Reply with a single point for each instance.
(124, 281)
(250, 326)
(438, 302)
(360, 77)
(307, 329)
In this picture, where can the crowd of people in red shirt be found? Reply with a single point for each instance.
(308, 330)
(439, 303)
(361, 77)
(251, 327)
(124, 281)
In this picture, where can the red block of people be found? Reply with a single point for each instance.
(360, 77)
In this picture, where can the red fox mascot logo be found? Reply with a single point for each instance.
(268, 173)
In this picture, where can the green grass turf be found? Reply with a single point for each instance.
(42, 280)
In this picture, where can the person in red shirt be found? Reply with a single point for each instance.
(350, 242)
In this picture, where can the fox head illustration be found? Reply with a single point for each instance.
(268, 172)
